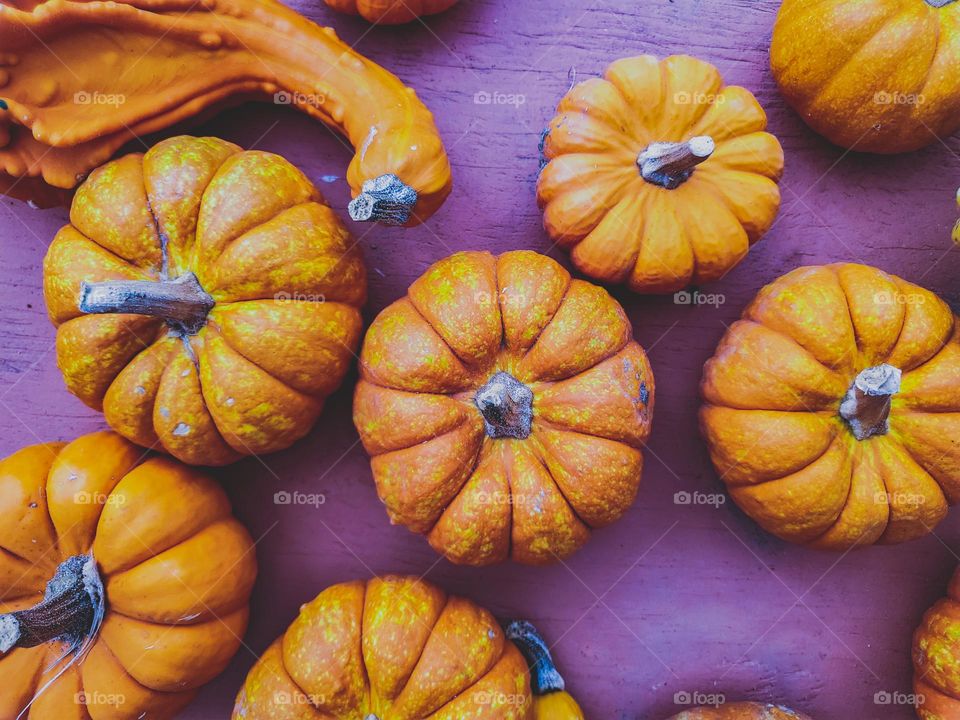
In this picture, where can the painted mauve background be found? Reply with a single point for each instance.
(673, 598)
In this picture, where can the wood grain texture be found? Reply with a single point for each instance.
(673, 598)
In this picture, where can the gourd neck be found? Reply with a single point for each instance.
(183, 303)
(507, 407)
(71, 611)
(670, 164)
(866, 406)
(544, 676)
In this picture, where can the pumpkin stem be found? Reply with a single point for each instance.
(670, 164)
(386, 199)
(866, 406)
(71, 610)
(544, 676)
(183, 303)
(507, 407)
(940, 3)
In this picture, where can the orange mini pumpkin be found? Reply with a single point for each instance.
(505, 406)
(147, 577)
(390, 12)
(659, 175)
(205, 298)
(936, 658)
(741, 711)
(879, 76)
(390, 648)
(832, 408)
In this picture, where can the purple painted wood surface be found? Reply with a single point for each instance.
(673, 598)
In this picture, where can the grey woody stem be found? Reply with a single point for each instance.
(670, 164)
(507, 407)
(385, 199)
(544, 676)
(866, 406)
(71, 610)
(940, 3)
(181, 302)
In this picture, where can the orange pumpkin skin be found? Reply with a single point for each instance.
(390, 12)
(627, 221)
(936, 658)
(741, 711)
(392, 647)
(285, 278)
(176, 583)
(564, 457)
(879, 76)
(809, 444)
(74, 99)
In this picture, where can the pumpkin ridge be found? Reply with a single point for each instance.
(226, 341)
(540, 452)
(854, 55)
(536, 339)
(859, 452)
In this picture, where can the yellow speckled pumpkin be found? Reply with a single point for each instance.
(877, 76)
(390, 12)
(124, 580)
(205, 298)
(393, 648)
(505, 406)
(956, 228)
(741, 711)
(659, 175)
(936, 658)
(832, 408)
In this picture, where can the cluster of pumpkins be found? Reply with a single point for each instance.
(207, 301)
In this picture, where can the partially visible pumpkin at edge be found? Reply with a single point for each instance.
(125, 581)
(505, 406)
(390, 12)
(832, 408)
(741, 711)
(206, 299)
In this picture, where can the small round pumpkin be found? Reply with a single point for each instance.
(205, 298)
(505, 406)
(936, 658)
(879, 76)
(832, 408)
(659, 175)
(392, 647)
(741, 711)
(147, 578)
(390, 12)
(956, 228)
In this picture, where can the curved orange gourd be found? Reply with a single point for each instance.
(832, 407)
(151, 579)
(390, 648)
(741, 711)
(505, 406)
(658, 175)
(390, 12)
(936, 658)
(126, 69)
(878, 76)
(205, 298)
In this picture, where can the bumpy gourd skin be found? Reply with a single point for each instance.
(286, 276)
(81, 79)
(878, 76)
(936, 658)
(176, 565)
(396, 648)
(482, 499)
(618, 227)
(772, 396)
(391, 12)
(741, 711)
